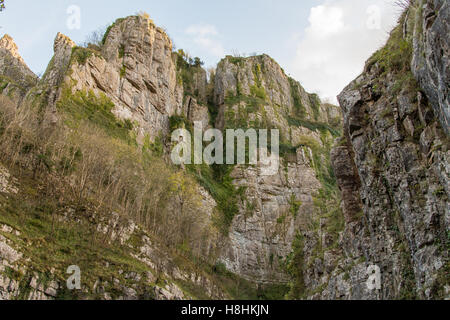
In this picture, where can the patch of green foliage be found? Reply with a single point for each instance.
(81, 55)
(180, 122)
(294, 206)
(252, 103)
(396, 55)
(3, 83)
(83, 106)
(51, 244)
(295, 267)
(156, 147)
(238, 61)
(217, 181)
(300, 110)
(123, 71)
(186, 69)
(257, 90)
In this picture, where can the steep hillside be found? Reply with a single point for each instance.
(88, 151)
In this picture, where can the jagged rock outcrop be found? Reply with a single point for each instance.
(16, 78)
(274, 209)
(394, 165)
(134, 68)
(255, 92)
(263, 79)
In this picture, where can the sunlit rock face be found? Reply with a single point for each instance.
(15, 76)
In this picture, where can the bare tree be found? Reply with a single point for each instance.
(95, 38)
(404, 4)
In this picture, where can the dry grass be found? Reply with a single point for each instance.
(88, 168)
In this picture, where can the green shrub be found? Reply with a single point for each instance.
(217, 181)
(81, 55)
(83, 106)
(295, 206)
(258, 92)
(299, 108)
(123, 71)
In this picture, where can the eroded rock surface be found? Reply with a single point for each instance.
(15, 76)
(393, 164)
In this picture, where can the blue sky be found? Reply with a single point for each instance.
(321, 43)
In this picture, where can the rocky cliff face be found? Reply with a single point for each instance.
(148, 84)
(134, 68)
(255, 92)
(262, 80)
(151, 90)
(378, 198)
(431, 50)
(392, 169)
(15, 77)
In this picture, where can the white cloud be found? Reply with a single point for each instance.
(205, 36)
(341, 36)
(326, 21)
(202, 30)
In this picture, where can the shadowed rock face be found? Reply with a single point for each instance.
(396, 161)
(348, 181)
(431, 60)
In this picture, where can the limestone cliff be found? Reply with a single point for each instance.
(430, 63)
(15, 76)
(84, 167)
(255, 92)
(134, 68)
(134, 88)
(392, 169)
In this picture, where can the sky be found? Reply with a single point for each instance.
(321, 43)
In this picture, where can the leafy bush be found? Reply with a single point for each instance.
(81, 55)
